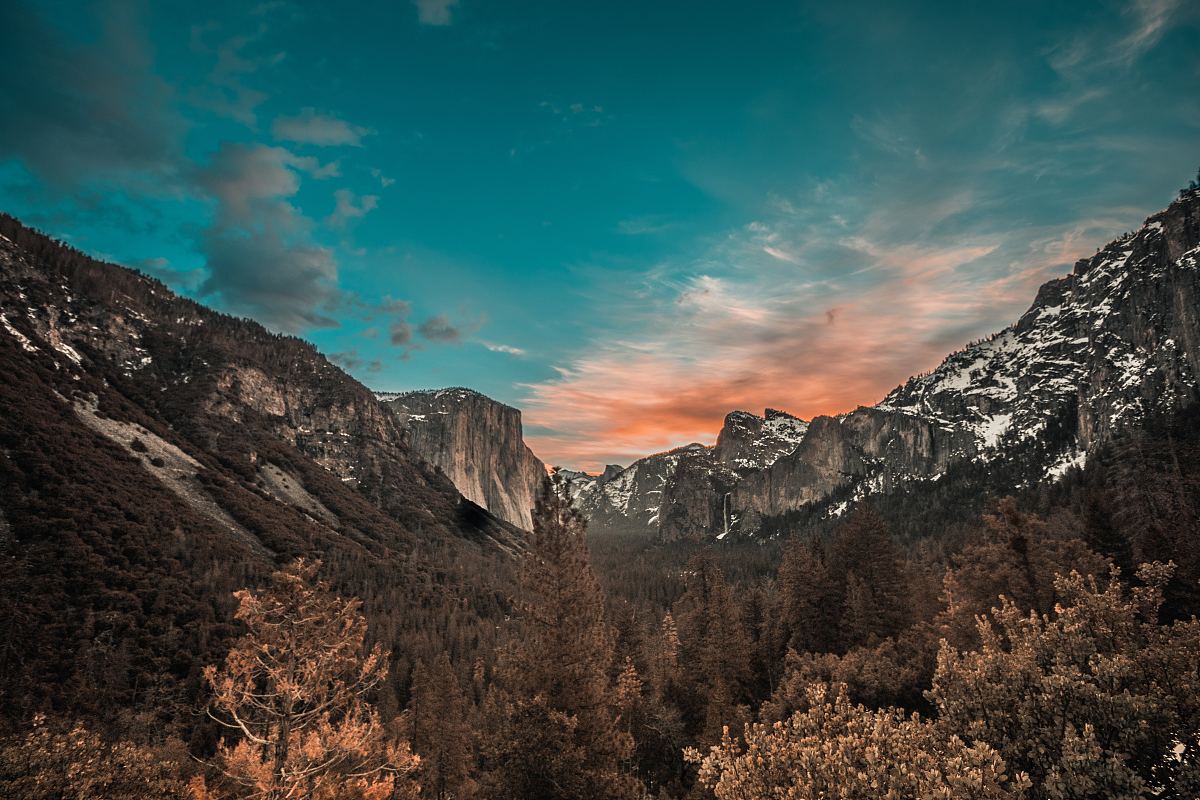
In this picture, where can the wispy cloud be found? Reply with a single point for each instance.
(645, 225)
(1151, 18)
(1101, 49)
(348, 206)
(503, 348)
(850, 312)
(324, 130)
(435, 12)
(227, 92)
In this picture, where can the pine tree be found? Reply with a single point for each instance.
(664, 658)
(809, 598)
(441, 734)
(293, 691)
(553, 711)
(863, 545)
(862, 613)
(714, 649)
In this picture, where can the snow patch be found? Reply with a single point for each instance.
(21, 338)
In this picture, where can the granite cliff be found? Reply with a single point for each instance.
(477, 442)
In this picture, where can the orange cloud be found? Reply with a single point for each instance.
(747, 341)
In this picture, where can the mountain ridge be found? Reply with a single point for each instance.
(1112, 342)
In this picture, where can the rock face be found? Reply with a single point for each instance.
(1100, 351)
(477, 442)
(748, 441)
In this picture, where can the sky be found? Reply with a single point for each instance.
(625, 218)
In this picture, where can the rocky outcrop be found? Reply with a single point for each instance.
(477, 442)
(748, 441)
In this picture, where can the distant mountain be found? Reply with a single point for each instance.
(477, 442)
(156, 455)
(685, 493)
(1100, 351)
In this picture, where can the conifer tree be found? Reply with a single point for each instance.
(809, 598)
(714, 649)
(441, 731)
(553, 712)
(664, 658)
(294, 693)
(863, 545)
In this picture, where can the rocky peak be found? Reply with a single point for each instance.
(748, 441)
(478, 443)
(611, 471)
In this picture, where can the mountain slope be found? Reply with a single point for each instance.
(156, 455)
(685, 492)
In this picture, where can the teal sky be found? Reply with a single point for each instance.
(626, 218)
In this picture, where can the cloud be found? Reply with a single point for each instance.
(913, 270)
(347, 360)
(439, 329)
(1152, 18)
(310, 127)
(1058, 110)
(400, 333)
(390, 305)
(226, 92)
(384, 180)
(352, 360)
(74, 112)
(160, 268)
(348, 208)
(435, 12)
(643, 226)
(260, 256)
(1093, 54)
(503, 348)
(249, 179)
(586, 115)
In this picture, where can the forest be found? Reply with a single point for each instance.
(1045, 648)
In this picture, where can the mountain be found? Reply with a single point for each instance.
(155, 455)
(1100, 351)
(477, 442)
(685, 492)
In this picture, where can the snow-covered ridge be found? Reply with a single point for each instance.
(1006, 385)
